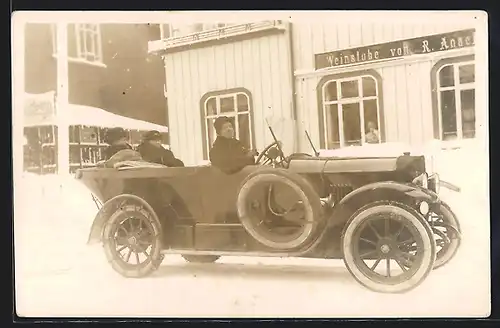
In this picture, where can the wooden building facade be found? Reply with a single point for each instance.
(111, 79)
(347, 82)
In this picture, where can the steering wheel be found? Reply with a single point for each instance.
(270, 159)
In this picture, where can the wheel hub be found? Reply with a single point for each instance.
(385, 249)
(132, 240)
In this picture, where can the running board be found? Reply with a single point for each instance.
(228, 253)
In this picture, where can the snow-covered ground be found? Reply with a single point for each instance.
(57, 274)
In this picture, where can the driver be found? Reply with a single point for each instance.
(228, 153)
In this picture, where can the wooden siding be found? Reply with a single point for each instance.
(260, 65)
(406, 87)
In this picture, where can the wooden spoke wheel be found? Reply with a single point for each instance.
(447, 233)
(132, 241)
(388, 247)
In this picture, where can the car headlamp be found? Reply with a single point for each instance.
(434, 183)
(421, 180)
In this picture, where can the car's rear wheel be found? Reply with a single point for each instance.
(374, 245)
(132, 241)
(200, 258)
(279, 209)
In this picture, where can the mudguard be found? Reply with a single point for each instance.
(407, 194)
(110, 207)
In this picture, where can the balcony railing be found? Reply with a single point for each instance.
(214, 34)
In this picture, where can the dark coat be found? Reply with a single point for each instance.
(230, 155)
(113, 149)
(158, 154)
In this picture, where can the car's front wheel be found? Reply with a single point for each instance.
(446, 229)
(388, 247)
(132, 241)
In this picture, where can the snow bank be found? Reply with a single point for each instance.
(52, 220)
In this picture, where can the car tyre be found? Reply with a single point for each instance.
(308, 196)
(133, 232)
(386, 245)
(200, 258)
(453, 231)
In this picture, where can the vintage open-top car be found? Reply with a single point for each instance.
(381, 215)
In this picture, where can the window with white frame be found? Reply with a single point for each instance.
(455, 88)
(351, 112)
(234, 105)
(166, 31)
(87, 41)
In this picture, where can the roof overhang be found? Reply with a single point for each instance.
(226, 34)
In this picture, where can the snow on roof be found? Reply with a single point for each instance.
(40, 111)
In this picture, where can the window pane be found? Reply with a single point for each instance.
(210, 132)
(47, 134)
(372, 134)
(369, 87)
(89, 42)
(448, 115)
(101, 134)
(74, 134)
(467, 98)
(227, 104)
(446, 78)
(349, 89)
(211, 107)
(90, 155)
(32, 136)
(74, 154)
(244, 130)
(48, 155)
(466, 73)
(351, 124)
(166, 31)
(88, 134)
(330, 91)
(332, 127)
(242, 101)
(83, 41)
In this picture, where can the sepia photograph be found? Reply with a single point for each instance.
(252, 164)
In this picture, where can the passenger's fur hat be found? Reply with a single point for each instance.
(152, 135)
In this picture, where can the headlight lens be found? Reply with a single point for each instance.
(421, 180)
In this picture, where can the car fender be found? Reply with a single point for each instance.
(108, 208)
(454, 219)
(407, 194)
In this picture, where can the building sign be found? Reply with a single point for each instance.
(396, 49)
(39, 109)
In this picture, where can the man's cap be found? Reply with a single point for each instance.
(152, 135)
(115, 134)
